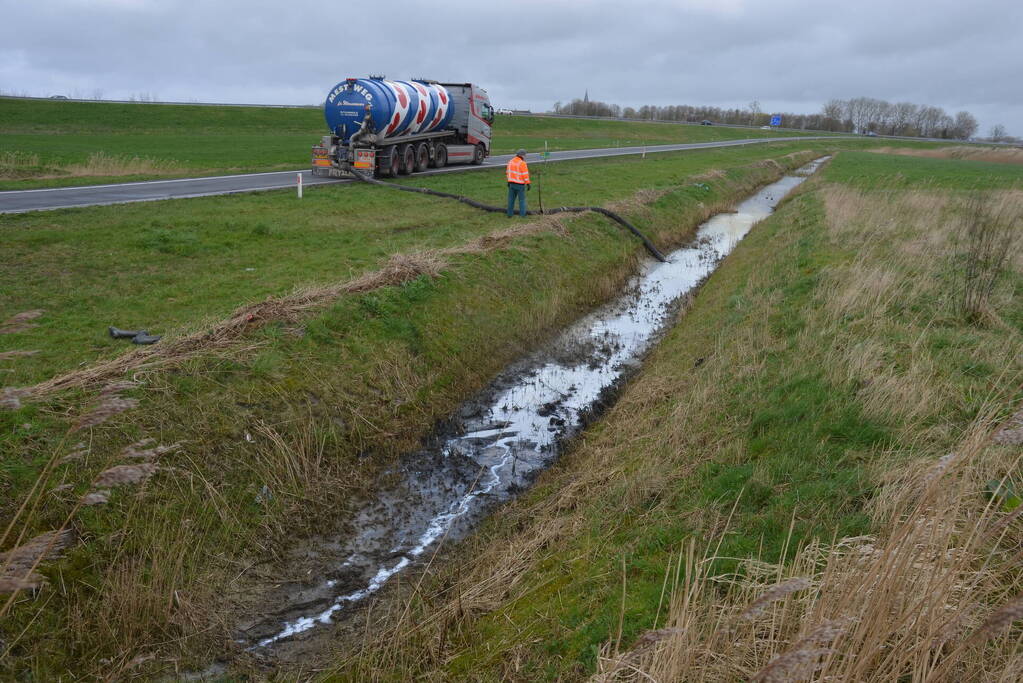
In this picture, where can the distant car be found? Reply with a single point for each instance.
(58, 97)
(705, 122)
(504, 111)
(765, 128)
(871, 134)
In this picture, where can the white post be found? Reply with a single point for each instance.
(299, 185)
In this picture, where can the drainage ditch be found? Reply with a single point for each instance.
(499, 441)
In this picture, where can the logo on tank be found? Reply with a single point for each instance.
(442, 105)
(402, 101)
(349, 87)
(424, 97)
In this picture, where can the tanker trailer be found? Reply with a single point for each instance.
(394, 128)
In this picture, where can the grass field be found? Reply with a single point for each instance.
(45, 144)
(168, 267)
(306, 399)
(778, 485)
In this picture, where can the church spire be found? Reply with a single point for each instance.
(586, 97)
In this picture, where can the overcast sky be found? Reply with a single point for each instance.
(791, 55)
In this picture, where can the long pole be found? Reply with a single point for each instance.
(543, 169)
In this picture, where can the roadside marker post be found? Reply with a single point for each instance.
(299, 175)
(541, 174)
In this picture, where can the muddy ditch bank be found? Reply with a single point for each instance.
(493, 447)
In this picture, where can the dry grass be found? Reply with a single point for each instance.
(108, 403)
(21, 165)
(102, 164)
(999, 155)
(20, 322)
(905, 243)
(18, 565)
(929, 598)
(125, 475)
(17, 164)
(8, 355)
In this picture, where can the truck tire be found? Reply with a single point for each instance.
(408, 159)
(478, 155)
(390, 163)
(440, 155)
(422, 157)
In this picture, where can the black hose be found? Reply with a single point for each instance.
(497, 209)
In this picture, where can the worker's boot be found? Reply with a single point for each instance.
(144, 337)
(124, 334)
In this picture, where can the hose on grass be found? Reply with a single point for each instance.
(654, 251)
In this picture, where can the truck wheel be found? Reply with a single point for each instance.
(440, 155)
(391, 163)
(478, 155)
(408, 159)
(422, 157)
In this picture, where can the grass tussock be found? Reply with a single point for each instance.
(998, 155)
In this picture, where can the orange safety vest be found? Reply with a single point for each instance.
(517, 171)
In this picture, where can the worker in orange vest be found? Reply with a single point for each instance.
(518, 182)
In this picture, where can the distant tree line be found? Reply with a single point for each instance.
(866, 114)
(857, 115)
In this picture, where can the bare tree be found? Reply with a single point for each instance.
(903, 117)
(998, 133)
(965, 125)
(754, 112)
(833, 112)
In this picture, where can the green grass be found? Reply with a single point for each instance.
(214, 140)
(870, 170)
(358, 381)
(168, 266)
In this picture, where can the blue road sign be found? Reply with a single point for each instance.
(776, 120)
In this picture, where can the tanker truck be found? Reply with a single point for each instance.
(391, 128)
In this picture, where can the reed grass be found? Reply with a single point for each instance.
(998, 155)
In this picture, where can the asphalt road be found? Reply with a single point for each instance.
(20, 201)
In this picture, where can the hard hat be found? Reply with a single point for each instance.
(520, 153)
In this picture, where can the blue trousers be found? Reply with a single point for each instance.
(516, 190)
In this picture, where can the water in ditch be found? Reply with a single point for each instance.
(506, 435)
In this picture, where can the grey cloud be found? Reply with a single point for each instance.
(790, 54)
